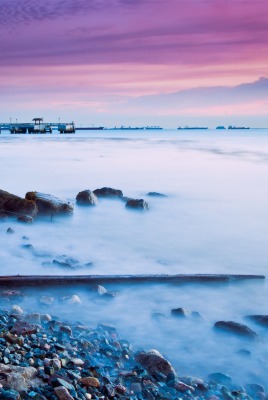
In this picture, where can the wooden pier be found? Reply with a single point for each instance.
(37, 126)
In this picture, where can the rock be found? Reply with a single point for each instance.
(156, 194)
(12, 204)
(260, 319)
(47, 300)
(138, 204)
(25, 218)
(108, 192)
(48, 204)
(62, 393)
(23, 328)
(10, 230)
(87, 197)
(154, 363)
(9, 395)
(90, 381)
(181, 312)
(17, 310)
(66, 262)
(72, 300)
(19, 378)
(236, 328)
(254, 389)
(221, 378)
(78, 362)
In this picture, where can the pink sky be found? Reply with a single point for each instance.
(92, 60)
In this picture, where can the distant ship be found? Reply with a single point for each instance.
(193, 127)
(153, 127)
(220, 127)
(237, 127)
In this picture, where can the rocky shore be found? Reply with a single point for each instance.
(44, 357)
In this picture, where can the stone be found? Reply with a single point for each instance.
(260, 319)
(15, 205)
(156, 194)
(48, 204)
(138, 204)
(77, 361)
(19, 378)
(87, 197)
(90, 381)
(62, 393)
(46, 300)
(221, 378)
(236, 328)
(10, 230)
(17, 310)
(181, 312)
(25, 218)
(72, 300)
(154, 362)
(23, 328)
(108, 192)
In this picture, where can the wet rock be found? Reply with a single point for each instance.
(66, 262)
(10, 230)
(9, 394)
(19, 378)
(48, 204)
(254, 389)
(17, 310)
(26, 219)
(184, 312)
(23, 328)
(72, 300)
(236, 329)
(62, 393)
(46, 300)
(154, 363)
(219, 377)
(102, 291)
(156, 194)
(260, 319)
(87, 197)
(15, 205)
(138, 204)
(90, 381)
(108, 192)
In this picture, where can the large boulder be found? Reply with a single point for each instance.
(17, 206)
(108, 192)
(137, 204)
(87, 198)
(236, 328)
(48, 204)
(154, 363)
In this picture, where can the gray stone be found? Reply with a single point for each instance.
(15, 205)
(108, 192)
(138, 204)
(236, 328)
(154, 363)
(87, 197)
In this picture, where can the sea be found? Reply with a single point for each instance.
(213, 220)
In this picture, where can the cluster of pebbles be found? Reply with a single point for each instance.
(42, 357)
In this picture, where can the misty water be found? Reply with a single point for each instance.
(213, 220)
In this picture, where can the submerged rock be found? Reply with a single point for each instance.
(108, 192)
(260, 319)
(48, 204)
(15, 205)
(87, 197)
(219, 377)
(10, 230)
(156, 194)
(236, 329)
(138, 204)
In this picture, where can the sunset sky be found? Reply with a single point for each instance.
(135, 62)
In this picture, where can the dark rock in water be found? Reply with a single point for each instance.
(9, 394)
(23, 328)
(254, 389)
(15, 205)
(48, 204)
(10, 230)
(236, 328)
(244, 352)
(156, 194)
(108, 192)
(219, 377)
(184, 312)
(154, 363)
(67, 262)
(87, 197)
(260, 319)
(138, 204)
(25, 218)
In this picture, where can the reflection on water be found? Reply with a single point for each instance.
(213, 221)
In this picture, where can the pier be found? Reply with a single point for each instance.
(37, 126)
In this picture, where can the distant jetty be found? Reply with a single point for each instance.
(89, 128)
(237, 127)
(38, 126)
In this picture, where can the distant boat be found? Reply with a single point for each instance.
(237, 127)
(193, 127)
(220, 127)
(153, 127)
(129, 128)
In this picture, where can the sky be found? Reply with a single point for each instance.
(135, 62)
